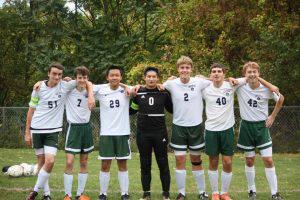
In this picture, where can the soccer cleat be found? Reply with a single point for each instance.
(166, 195)
(180, 197)
(203, 196)
(225, 196)
(277, 196)
(252, 195)
(146, 196)
(32, 195)
(215, 196)
(82, 197)
(46, 197)
(67, 197)
(102, 197)
(125, 197)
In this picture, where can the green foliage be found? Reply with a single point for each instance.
(134, 34)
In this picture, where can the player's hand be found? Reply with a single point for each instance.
(37, 86)
(160, 87)
(172, 78)
(67, 78)
(28, 138)
(127, 91)
(269, 121)
(233, 81)
(135, 89)
(91, 102)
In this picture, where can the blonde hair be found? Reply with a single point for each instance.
(250, 64)
(184, 60)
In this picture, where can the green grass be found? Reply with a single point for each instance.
(287, 166)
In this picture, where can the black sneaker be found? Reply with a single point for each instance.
(252, 195)
(32, 195)
(125, 197)
(203, 196)
(46, 197)
(277, 196)
(146, 196)
(102, 197)
(166, 195)
(180, 197)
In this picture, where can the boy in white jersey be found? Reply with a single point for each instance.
(79, 138)
(219, 135)
(114, 131)
(44, 121)
(186, 130)
(254, 128)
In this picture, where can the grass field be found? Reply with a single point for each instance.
(287, 166)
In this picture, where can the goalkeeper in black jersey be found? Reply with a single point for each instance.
(150, 104)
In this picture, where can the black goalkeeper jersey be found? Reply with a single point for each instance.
(150, 104)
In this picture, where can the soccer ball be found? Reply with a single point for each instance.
(29, 170)
(15, 171)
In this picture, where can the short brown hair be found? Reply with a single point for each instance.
(250, 64)
(218, 65)
(82, 70)
(55, 65)
(184, 60)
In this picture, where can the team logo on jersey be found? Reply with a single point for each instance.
(122, 91)
(143, 96)
(258, 97)
(192, 87)
(85, 95)
(58, 95)
(227, 92)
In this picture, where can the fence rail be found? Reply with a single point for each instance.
(285, 130)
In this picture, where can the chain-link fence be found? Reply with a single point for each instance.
(285, 130)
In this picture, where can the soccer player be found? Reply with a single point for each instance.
(114, 131)
(219, 134)
(44, 121)
(79, 138)
(254, 127)
(186, 94)
(152, 131)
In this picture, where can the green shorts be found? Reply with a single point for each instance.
(254, 135)
(79, 139)
(219, 142)
(184, 138)
(114, 147)
(39, 140)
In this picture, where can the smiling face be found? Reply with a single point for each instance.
(217, 74)
(252, 74)
(114, 77)
(81, 80)
(184, 71)
(55, 75)
(151, 79)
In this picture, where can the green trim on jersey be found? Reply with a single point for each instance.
(253, 135)
(219, 142)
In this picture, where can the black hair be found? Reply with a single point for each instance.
(151, 69)
(112, 67)
(218, 65)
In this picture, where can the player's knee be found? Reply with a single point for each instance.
(83, 164)
(163, 164)
(268, 162)
(227, 162)
(69, 164)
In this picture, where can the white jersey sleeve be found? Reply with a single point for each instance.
(68, 86)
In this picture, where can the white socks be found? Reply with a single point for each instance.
(272, 179)
(47, 188)
(200, 180)
(123, 182)
(82, 177)
(180, 176)
(68, 181)
(104, 178)
(43, 176)
(250, 175)
(213, 179)
(226, 180)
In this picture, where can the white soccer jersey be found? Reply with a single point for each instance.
(49, 103)
(254, 103)
(114, 110)
(77, 107)
(187, 100)
(219, 105)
